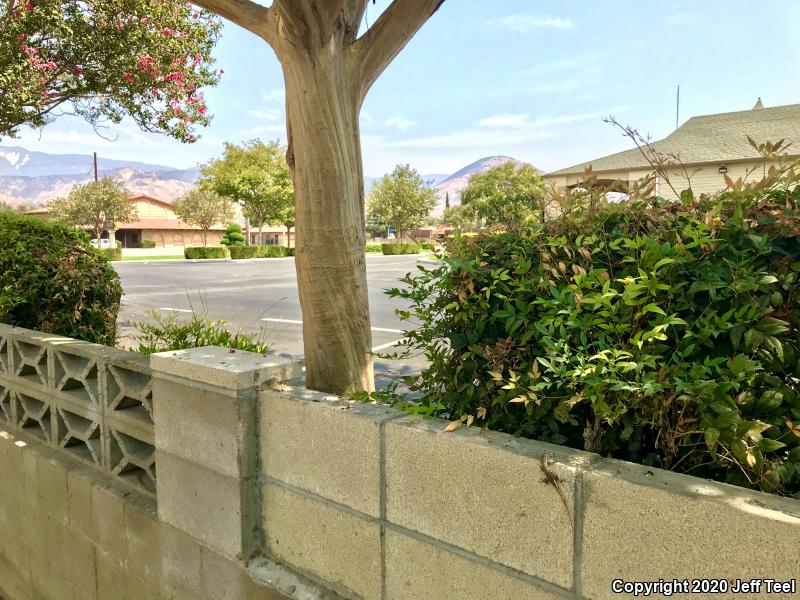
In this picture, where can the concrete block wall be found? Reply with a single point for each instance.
(269, 491)
(374, 503)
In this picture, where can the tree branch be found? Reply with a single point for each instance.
(382, 42)
(244, 13)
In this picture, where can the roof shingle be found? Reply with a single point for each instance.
(711, 138)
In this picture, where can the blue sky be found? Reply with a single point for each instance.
(532, 80)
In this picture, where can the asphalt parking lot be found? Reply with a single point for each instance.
(256, 296)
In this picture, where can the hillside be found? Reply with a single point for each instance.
(35, 178)
(455, 183)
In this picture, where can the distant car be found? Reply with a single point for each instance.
(104, 243)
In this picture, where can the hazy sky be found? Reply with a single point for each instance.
(523, 78)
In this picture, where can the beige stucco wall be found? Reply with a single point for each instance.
(153, 210)
(704, 179)
(172, 238)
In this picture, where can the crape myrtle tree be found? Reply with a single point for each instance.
(104, 59)
(328, 70)
(255, 176)
(96, 206)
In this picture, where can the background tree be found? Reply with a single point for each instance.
(95, 205)
(204, 208)
(328, 70)
(106, 59)
(402, 200)
(509, 195)
(256, 176)
(459, 218)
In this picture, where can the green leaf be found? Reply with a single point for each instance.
(711, 435)
(768, 445)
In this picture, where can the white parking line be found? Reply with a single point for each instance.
(295, 322)
(387, 345)
(183, 310)
(292, 321)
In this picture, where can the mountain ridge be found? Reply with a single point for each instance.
(35, 178)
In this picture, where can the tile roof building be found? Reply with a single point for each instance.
(710, 145)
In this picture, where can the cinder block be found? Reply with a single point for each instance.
(108, 521)
(203, 503)
(324, 445)
(111, 577)
(219, 367)
(222, 579)
(79, 493)
(338, 547)
(47, 581)
(211, 429)
(71, 555)
(143, 544)
(13, 585)
(181, 576)
(483, 492)
(10, 460)
(642, 524)
(415, 570)
(15, 554)
(52, 484)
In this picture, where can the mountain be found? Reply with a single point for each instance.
(453, 185)
(35, 178)
(18, 161)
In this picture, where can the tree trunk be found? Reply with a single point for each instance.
(322, 105)
(205, 238)
(260, 236)
(288, 236)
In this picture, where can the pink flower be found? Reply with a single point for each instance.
(128, 76)
(28, 6)
(167, 31)
(146, 21)
(201, 109)
(118, 25)
(77, 70)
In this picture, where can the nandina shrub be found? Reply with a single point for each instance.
(53, 280)
(661, 333)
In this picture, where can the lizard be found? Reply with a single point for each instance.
(553, 479)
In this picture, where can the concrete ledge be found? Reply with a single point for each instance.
(222, 368)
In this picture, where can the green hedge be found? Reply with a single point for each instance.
(147, 244)
(202, 252)
(111, 253)
(53, 280)
(400, 248)
(656, 332)
(376, 248)
(268, 251)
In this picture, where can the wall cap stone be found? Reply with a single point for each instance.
(769, 506)
(220, 367)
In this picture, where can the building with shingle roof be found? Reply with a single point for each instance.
(709, 146)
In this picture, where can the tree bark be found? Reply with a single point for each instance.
(328, 71)
(324, 152)
(288, 236)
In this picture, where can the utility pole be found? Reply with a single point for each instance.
(677, 106)
(95, 166)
